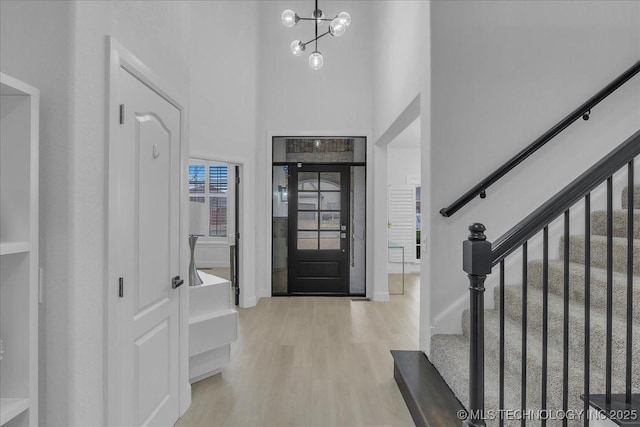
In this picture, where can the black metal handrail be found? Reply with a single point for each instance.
(584, 110)
(480, 256)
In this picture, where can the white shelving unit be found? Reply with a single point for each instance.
(213, 326)
(19, 115)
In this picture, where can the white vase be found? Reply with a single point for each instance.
(194, 277)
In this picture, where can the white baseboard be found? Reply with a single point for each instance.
(449, 321)
(249, 302)
(381, 296)
(265, 293)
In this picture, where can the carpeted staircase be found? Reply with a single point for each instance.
(450, 353)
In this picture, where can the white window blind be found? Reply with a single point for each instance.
(402, 222)
(208, 194)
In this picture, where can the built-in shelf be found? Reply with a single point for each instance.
(19, 132)
(11, 407)
(213, 326)
(8, 248)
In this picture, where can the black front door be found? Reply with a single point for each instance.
(319, 220)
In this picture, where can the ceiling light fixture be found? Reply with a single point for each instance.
(337, 27)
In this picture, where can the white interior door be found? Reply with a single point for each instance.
(148, 206)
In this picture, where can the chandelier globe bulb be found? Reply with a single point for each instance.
(337, 27)
(297, 47)
(319, 16)
(289, 18)
(345, 18)
(316, 60)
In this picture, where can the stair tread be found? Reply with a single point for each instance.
(428, 397)
(555, 366)
(620, 220)
(513, 304)
(599, 252)
(450, 355)
(598, 285)
(636, 197)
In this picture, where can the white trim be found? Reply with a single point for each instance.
(19, 86)
(207, 195)
(246, 300)
(404, 119)
(235, 160)
(381, 296)
(14, 87)
(266, 287)
(121, 57)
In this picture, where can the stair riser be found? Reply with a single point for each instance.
(513, 310)
(599, 253)
(598, 287)
(620, 218)
(636, 197)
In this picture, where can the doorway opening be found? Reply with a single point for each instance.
(319, 216)
(404, 207)
(214, 216)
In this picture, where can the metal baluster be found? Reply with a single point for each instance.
(523, 395)
(545, 315)
(587, 302)
(565, 335)
(630, 202)
(609, 338)
(501, 406)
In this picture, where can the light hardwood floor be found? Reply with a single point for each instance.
(312, 361)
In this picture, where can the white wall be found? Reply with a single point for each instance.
(223, 113)
(401, 72)
(30, 55)
(502, 74)
(400, 58)
(223, 78)
(293, 99)
(158, 34)
(63, 50)
(402, 163)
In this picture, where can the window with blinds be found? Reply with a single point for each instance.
(402, 221)
(211, 188)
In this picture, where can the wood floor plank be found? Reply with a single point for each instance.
(312, 361)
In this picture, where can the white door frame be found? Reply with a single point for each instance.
(247, 298)
(372, 285)
(120, 57)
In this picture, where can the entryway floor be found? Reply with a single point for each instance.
(312, 361)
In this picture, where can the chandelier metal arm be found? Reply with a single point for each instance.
(320, 36)
(314, 19)
(316, 11)
(337, 27)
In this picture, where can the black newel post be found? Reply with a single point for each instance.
(476, 261)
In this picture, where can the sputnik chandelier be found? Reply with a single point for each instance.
(337, 27)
